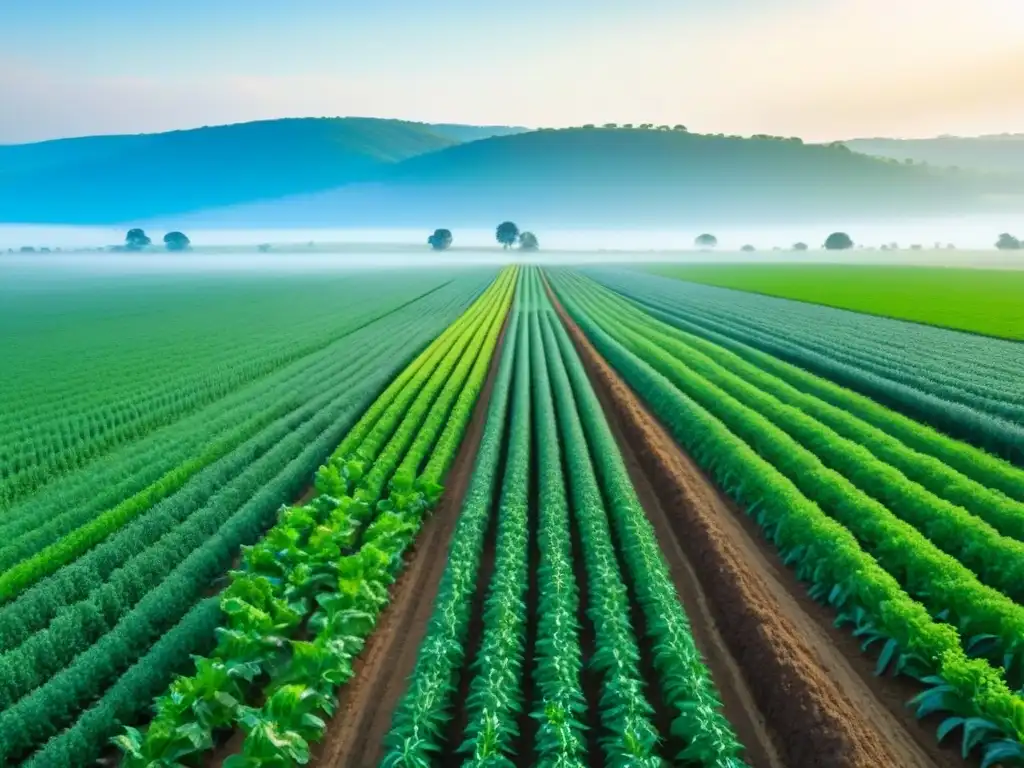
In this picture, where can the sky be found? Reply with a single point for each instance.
(818, 69)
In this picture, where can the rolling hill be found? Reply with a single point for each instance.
(995, 154)
(620, 177)
(370, 172)
(117, 178)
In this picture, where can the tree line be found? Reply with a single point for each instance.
(137, 240)
(507, 234)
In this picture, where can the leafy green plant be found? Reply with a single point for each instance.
(826, 554)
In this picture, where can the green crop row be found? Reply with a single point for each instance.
(138, 468)
(685, 682)
(422, 715)
(628, 736)
(495, 705)
(971, 692)
(992, 623)
(156, 383)
(75, 635)
(348, 609)
(969, 475)
(495, 699)
(135, 558)
(560, 739)
(819, 340)
(307, 561)
(998, 561)
(48, 697)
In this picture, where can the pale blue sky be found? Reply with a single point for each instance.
(821, 69)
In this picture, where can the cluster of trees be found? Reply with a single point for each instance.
(837, 241)
(1008, 242)
(507, 234)
(137, 240)
(640, 127)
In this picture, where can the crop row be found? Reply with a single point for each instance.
(800, 446)
(76, 635)
(323, 571)
(144, 471)
(114, 410)
(550, 397)
(965, 385)
(782, 484)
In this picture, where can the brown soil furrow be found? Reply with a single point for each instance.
(355, 734)
(797, 691)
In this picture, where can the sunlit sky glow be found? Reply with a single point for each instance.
(820, 69)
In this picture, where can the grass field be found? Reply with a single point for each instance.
(977, 300)
(516, 517)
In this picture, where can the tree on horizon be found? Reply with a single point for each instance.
(528, 242)
(706, 241)
(507, 233)
(441, 240)
(177, 241)
(799, 246)
(1008, 242)
(136, 239)
(838, 241)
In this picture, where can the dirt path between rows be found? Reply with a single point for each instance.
(798, 691)
(355, 734)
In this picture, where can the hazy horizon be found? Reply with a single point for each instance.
(977, 232)
(823, 70)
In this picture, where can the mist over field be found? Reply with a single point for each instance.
(977, 232)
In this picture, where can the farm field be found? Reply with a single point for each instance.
(985, 301)
(966, 385)
(133, 475)
(517, 517)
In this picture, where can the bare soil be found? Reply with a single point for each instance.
(355, 734)
(798, 691)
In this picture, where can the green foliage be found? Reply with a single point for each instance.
(506, 234)
(421, 715)
(441, 240)
(838, 241)
(629, 737)
(81, 637)
(998, 561)
(190, 343)
(310, 566)
(984, 301)
(825, 552)
(686, 683)
(561, 703)
(495, 698)
(969, 387)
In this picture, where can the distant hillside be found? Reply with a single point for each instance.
(619, 177)
(363, 171)
(997, 154)
(118, 178)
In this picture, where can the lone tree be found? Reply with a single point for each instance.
(799, 246)
(441, 240)
(1008, 242)
(838, 241)
(507, 233)
(528, 242)
(706, 241)
(176, 241)
(136, 240)
(748, 249)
